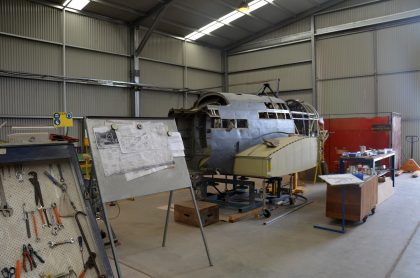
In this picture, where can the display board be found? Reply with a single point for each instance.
(136, 156)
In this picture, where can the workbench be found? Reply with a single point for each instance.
(371, 162)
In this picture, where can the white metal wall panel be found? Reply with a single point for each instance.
(354, 95)
(163, 48)
(198, 79)
(28, 19)
(158, 104)
(29, 97)
(270, 57)
(90, 100)
(28, 56)
(345, 56)
(96, 34)
(366, 12)
(90, 64)
(410, 127)
(400, 93)
(204, 57)
(291, 78)
(305, 96)
(161, 74)
(399, 48)
(300, 26)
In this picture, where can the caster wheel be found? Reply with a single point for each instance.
(373, 210)
(364, 219)
(266, 213)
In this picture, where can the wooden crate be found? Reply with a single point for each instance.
(358, 203)
(185, 213)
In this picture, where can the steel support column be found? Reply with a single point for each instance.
(313, 64)
(135, 72)
(225, 65)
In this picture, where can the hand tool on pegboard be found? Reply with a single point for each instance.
(26, 258)
(5, 209)
(39, 201)
(26, 219)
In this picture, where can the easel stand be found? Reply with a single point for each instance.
(199, 219)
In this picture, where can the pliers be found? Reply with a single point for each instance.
(26, 256)
(33, 253)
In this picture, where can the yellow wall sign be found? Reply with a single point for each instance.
(63, 119)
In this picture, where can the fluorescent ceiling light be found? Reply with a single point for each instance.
(76, 4)
(226, 19)
(243, 6)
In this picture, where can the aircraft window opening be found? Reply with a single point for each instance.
(269, 105)
(281, 116)
(263, 115)
(288, 116)
(216, 123)
(272, 115)
(242, 123)
(228, 123)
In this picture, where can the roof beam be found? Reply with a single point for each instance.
(149, 32)
(286, 22)
(281, 7)
(157, 8)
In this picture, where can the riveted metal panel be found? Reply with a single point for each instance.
(161, 74)
(400, 93)
(296, 77)
(300, 26)
(163, 48)
(158, 104)
(28, 56)
(355, 95)
(29, 97)
(305, 96)
(90, 100)
(345, 56)
(398, 48)
(270, 57)
(204, 57)
(90, 64)
(410, 127)
(198, 79)
(30, 19)
(366, 12)
(96, 34)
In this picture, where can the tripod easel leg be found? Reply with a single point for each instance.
(167, 218)
(201, 226)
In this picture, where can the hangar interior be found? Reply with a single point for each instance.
(352, 65)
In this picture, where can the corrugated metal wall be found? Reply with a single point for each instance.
(359, 71)
(169, 62)
(32, 37)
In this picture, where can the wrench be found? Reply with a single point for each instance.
(60, 172)
(4, 208)
(53, 244)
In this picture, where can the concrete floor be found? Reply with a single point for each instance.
(387, 245)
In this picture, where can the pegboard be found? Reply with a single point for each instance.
(13, 229)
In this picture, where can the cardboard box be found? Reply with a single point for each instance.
(185, 213)
(385, 190)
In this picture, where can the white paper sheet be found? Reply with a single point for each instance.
(176, 144)
(341, 179)
(131, 149)
(141, 173)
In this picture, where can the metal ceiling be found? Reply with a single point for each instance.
(185, 16)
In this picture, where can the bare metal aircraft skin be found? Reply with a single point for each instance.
(220, 125)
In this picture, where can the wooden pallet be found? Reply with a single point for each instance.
(238, 216)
